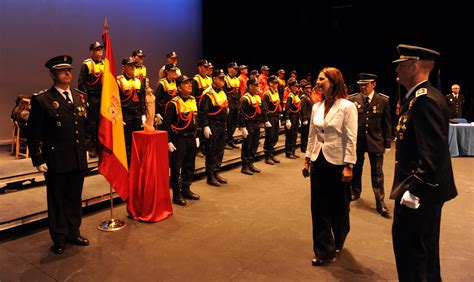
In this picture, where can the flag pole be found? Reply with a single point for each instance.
(112, 224)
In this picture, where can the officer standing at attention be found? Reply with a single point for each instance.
(271, 103)
(306, 108)
(140, 69)
(212, 118)
(281, 83)
(201, 81)
(423, 178)
(132, 99)
(373, 137)
(292, 118)
(250, 116)
(57, 145)
(181, 123)
(232, 90)
(166, 91)
(171, 58)
(90, 81)
(243, 78)
(455, 101)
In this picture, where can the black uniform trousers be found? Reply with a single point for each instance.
(64, 191)
(215, 146)
(304, 129)
(92, 122)
(330, 198)
(232, 119)
(415, 234)
(376, 173)
(250, 144)
(291, 134)
(271, 134)
(182, 161)
(133, 122)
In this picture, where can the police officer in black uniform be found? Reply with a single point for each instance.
(250, 116)
(306, 108)
(166, 90)
(181, 123)
(132, 99)
(373, 137)
(272, 105)
(140, 69)
(423, 178)
(212, 116)
(232, 90)
(90, 82)
(292, 118)
(57, 143)
(455, 101)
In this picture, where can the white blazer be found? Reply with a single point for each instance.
(335, 135)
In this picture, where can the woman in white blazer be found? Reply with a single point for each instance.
(330, 156)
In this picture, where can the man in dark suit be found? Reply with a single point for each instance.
(455, 101)
(373, 136)
(423, 178)
(57, 143)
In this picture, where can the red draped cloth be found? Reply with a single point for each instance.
(149, 198)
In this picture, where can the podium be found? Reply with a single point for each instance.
(149, 197)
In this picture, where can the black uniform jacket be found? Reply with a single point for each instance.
(374, 131)
(422, 160)
(455, 105)
(57, 131)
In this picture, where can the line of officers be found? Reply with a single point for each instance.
(202, 113)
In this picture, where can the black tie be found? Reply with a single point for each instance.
(68, 100)
(367, 103)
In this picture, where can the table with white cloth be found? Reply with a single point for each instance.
(461, 139)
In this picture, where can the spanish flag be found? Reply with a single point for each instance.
(113, 157)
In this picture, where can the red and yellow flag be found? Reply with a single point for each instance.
(113, 157)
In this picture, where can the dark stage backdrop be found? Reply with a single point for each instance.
(354, 36)
(32, 31)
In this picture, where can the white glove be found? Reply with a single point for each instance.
(288, 124)
(299, 123)
(268, 124)
(143, 119)
(279, 123)
(245, 132)
(207, 132)
(42, 168)
(197, 143)
(305, 122)
(171, 147)
(158, 119)
(228, 110)
(410, 200)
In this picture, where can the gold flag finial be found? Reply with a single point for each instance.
(106, 25)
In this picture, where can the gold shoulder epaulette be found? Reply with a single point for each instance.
(386, 96)
(421, 92)
(40, 92)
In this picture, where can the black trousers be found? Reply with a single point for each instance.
(215, 147)
(64, 191)
(415, 234)
(92, 123)
(182, 161)
(330, 198)
(304, 129)
(376, 173)
(291, 134)
(250, 144)
(132, 123)
(271, 135)
(232, 119)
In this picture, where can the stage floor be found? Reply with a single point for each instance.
(255, 228)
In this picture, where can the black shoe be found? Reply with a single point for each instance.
(220, 179)
(80, 241)
(268, 160)
(180, 201)
(383, 211)
(290, 156)
(58, 248)
(246, 170)
(275, 160)
(320, 262)
(213, 182)
(296, 156)
(253, 168)
(188, 194)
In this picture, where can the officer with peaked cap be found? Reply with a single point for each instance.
(57, 145)
(281, 83)
(263, 80)
(374, 136)
(292, 107)
(180, 121)
(306, 108)
(90, 81)
(140, 69)
(212, 116)
(272, 106)
(165, 91)
(423, 178)
(132, 99)
(243, 78)
(232, 89)
(171, 58)
(202, 80)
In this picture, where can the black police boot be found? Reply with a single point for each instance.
(380, 204)
(211, 180)
(188, 194)
(246, 170)
(253, 168)
(219, 178)
(275, 160)
(268, 160)
(178, 197)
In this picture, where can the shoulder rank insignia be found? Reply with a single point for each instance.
(383, 95)
(353, 94)
(40, 92)
(421, 91)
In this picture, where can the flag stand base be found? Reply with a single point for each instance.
(111, 225)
